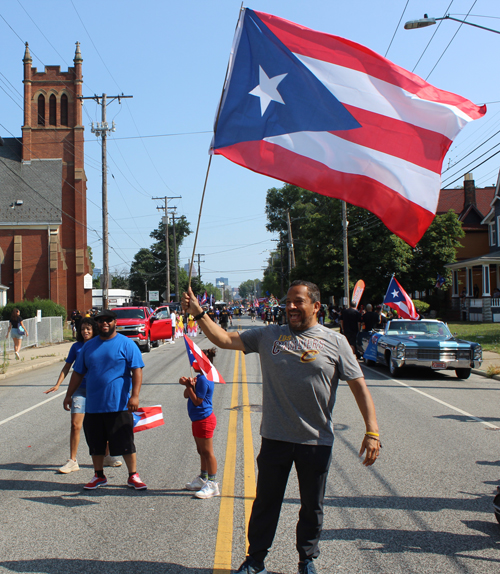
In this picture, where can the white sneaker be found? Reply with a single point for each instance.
(196, 484)
(112, 461)
(210, 489)
(70, 466)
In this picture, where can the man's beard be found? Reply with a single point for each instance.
(107, 335)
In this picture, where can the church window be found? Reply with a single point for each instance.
(52, 110)
(64, 110)
(41, 110)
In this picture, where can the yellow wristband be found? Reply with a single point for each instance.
(372, 434)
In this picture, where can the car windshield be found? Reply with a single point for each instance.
(129, 313)
(418, 329)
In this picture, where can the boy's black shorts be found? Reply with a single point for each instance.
(115, 428)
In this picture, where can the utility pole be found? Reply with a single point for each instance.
(291, 253)
(165, 209)
(345, 224)
(199, 268)
(101, 129)
(175, 256)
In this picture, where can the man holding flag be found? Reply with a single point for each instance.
(301, 363)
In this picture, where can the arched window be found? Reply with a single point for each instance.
(64, 110)
(52, 110)
(41, 110)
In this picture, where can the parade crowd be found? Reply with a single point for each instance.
(302, 362)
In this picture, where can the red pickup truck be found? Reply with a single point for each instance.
(143, 327)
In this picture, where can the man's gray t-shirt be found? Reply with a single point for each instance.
(300, 375)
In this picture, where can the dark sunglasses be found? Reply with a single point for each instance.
(107, 320)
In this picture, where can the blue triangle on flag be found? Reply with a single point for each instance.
(307, 104)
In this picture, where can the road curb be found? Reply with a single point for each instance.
(28, 368)
(484, 374)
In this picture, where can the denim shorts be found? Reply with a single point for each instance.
(78, 402)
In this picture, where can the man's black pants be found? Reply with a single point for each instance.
(275, 461)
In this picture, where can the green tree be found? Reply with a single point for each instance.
(374, 252)
(119, 281)
(248, 288)
(150, 264)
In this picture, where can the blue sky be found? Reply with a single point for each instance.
(172, 57)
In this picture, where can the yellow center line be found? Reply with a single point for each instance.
(224, 543)
(249, 464)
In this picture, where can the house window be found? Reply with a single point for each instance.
(492, 233)
(52, 110)
(498, 232)
(41, 110)
(455, 283)
(64, 110)
(486, 280)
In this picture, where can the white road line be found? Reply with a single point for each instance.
(31, 408)
(435, 399)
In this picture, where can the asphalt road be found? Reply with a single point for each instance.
(426, 506)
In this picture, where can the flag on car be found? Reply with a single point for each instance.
(148, 418)
(440, 281)
(397, 298)
(200, 362)
(331, 116)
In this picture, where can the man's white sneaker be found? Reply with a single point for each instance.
(112, 461)
(197, 484)
(210, 489)
(70, 466)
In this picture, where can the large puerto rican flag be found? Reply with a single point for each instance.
(333, 117)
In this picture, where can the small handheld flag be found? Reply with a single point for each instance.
(440, 281)
(397, 298)
(200, 362)
(148, 418)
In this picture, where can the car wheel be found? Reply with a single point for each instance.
(155, 344)
(462, 373)
(369, 363)
(147, 346)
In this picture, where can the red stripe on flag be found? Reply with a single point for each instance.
(336, 50)
(403, 217)
(411, 143)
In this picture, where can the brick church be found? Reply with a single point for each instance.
(43, 205)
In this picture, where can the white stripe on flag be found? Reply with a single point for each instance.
(368, 93)
(418, 185)
(149, 420)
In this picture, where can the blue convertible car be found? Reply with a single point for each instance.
(426, 343)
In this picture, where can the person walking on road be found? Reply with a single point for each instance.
(224, 318)
(350, 323)
(301, 364)
(17, 331)
(88, 330)
(113, 365)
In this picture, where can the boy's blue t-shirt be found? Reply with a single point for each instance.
(107, 366)
(72, 355)
(204, 389)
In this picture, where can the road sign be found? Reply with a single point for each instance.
(154, 295)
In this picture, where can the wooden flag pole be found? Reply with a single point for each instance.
(210, 159)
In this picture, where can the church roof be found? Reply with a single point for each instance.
(37, 184)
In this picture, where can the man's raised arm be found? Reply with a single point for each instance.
(216, 334)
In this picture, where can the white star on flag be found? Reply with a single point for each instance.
(395, 293)
(267, 90)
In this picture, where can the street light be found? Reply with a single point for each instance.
(426, 21)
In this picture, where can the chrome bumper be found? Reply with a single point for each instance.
(463, 364)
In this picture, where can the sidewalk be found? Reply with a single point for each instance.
(35, 358)
(38, 357)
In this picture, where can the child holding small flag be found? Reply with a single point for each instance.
(199, 393)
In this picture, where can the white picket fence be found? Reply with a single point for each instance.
(48, 330)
